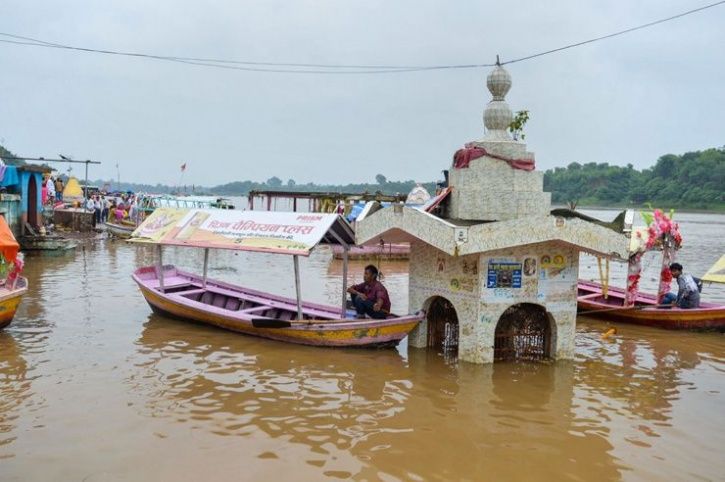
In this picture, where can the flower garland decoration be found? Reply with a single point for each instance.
(662, 233)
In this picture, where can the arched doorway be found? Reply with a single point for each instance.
(442, 326)
(32, 201)
(523, 333)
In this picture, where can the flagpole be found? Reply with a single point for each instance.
(181, 177)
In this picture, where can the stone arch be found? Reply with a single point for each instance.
(442, 325)
(524, 332)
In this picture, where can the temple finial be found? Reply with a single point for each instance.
(498, 115)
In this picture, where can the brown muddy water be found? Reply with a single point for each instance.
(95, 387)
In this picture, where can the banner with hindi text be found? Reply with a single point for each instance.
(274, 232)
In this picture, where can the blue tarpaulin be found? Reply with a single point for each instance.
(11, 177)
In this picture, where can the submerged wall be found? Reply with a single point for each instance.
(482, 287)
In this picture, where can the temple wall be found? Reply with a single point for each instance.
(549, 275)
(456, 278)
(490, 189)
(479, 292)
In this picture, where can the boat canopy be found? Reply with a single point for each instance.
(263, 231)
(716, 274)
(9, 247)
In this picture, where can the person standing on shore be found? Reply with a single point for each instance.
(50, 186)
(59, 189)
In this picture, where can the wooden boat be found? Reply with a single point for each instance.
(123, 231)
(646, 311)
(14, 286)
(188, 296)
(10, 299)
(48, 242)
(262, 314)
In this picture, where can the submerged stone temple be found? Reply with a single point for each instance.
(492, 265)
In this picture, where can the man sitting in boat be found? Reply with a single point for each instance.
(688, 294)
(370, 297)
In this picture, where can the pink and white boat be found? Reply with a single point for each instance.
(184, 295)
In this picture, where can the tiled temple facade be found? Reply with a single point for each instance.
(495, 245)
(489, 189)
(463, 280)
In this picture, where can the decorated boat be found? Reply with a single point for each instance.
(630, 306)
(13, 286)
(594, 300)
(194, 297)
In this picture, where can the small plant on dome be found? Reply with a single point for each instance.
(516, 127)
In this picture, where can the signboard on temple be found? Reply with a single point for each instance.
(273, 232)
(503, 274)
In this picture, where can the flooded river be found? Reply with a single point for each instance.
(95, 387)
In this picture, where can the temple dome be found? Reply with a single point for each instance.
(418, 195)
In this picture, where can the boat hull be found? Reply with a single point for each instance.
(320, 329)
(591, 302)
(119, 230)
(46, 243)
(9, 301)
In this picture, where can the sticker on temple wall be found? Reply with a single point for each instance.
(464, 284)
(441, 262)
(553, 261)
(503, 274)
(470, 266)
(530, 266)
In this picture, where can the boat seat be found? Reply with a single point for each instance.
(272, 313)
(285, 305)
(287, 316)
(255, 309)
(170, 282)
(207, 298)
(189, 292)
(219, 301)
(232, 304)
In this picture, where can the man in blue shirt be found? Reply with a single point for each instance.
(688, 294)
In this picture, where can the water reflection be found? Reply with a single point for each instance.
(454, 421)
(247, 385)
(14, 389)
(644, 374)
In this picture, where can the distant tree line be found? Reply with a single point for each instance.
(692, 180)
(382, 185)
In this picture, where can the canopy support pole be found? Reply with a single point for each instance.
(159, 267)
(297, 286)
(345, 250)
(206, 266)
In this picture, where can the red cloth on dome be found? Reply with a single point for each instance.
(463, 157)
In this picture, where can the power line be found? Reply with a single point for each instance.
(335, 69)
(621, 32)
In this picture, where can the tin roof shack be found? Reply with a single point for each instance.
(496, 270)
(23, 184)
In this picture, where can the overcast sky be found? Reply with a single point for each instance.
(624, 100)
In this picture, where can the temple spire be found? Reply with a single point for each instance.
(498, 115)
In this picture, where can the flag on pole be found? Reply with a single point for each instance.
(183, 167)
